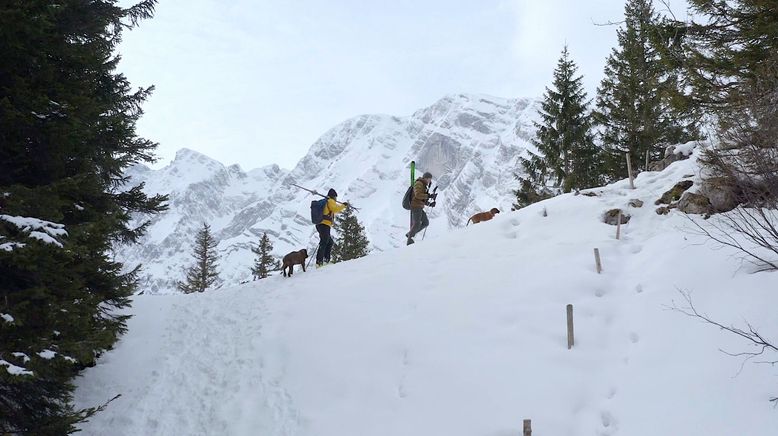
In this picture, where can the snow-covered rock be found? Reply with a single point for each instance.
(470, 143)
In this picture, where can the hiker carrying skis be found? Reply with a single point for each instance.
(325, 226)
(421, 198)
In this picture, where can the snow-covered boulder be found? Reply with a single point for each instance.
(673, 153)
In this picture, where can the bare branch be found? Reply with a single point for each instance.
(668, 9)
(751, 335)
(608, 23)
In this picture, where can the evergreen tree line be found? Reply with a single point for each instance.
(350, 243)
(661, 80)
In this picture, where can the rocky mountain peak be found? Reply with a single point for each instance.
(470, 143)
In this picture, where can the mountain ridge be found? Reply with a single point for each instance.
(470, 142)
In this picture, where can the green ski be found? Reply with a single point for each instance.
(413, 179)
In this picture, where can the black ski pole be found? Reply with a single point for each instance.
(311, 257)
(323, 196)
(434, 191)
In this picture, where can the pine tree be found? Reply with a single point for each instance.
(567, 157)
(351, 241)
(729, 54)
(264, 262)
(67, 132)
(204, 273)
(529, 193)
(636, 109)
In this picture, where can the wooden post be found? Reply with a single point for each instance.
(629, 170)
(527, 427)
(646, 160)
(597, 260)
(618, 226)
(570, 335)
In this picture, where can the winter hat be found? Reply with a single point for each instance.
(332, 194)
(427, 175)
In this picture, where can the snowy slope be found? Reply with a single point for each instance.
(469, 142)
(462, 335)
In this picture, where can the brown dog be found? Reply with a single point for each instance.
(483, 216)
(294, 258)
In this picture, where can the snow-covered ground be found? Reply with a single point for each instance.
(462, 335)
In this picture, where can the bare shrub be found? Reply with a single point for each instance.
(760, 346)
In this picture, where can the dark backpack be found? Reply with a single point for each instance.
(407, 198)
(317, 210)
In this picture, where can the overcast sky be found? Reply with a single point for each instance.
(257, 82)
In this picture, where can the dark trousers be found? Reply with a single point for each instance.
(419, 221)
(325, 244)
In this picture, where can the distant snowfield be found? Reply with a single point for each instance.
(462, 335)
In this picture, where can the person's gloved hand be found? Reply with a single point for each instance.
(432, 204)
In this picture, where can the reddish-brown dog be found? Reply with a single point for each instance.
(294, 258)
(483, 216)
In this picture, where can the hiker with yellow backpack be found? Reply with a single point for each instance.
(323, 215)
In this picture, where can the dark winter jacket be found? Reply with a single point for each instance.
(420, 194)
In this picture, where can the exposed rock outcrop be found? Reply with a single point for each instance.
(675, 193)
(697, 204)
(635, 202)
(612, 217)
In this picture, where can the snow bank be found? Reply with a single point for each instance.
(463, 335)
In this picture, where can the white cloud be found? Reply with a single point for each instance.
(258, 82)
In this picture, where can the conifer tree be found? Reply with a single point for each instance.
(67, 132)
(351, 241)
(729, 53)
(204, 273)
(567, 157)
(636, 110)
(264, 262)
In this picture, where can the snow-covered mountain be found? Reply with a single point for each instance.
(470, 143)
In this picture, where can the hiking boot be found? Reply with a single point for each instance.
(409, 242)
